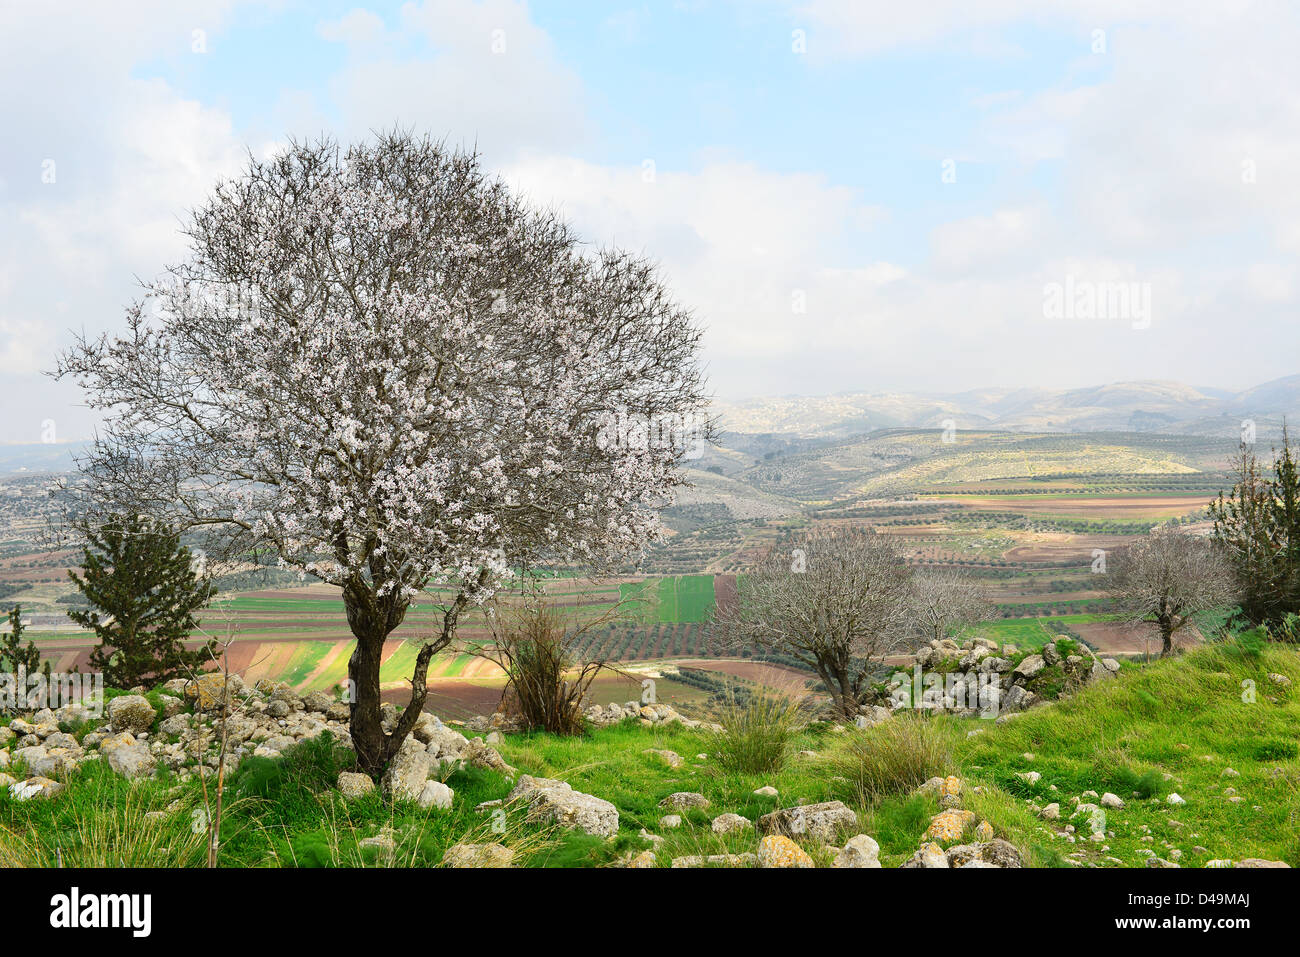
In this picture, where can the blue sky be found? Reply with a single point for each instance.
(798, 202)
(680, 83)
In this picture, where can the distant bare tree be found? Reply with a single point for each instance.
(834, 602)
(943, 600)
(1169, 576)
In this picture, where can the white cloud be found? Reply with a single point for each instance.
(128, 157)
(493, 78)
(986, 242)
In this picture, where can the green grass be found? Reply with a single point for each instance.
(1174, 725)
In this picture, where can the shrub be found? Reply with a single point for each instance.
(757, 732)
(894, 757)
(547, 676)
(1288, 630)
(1250, 643)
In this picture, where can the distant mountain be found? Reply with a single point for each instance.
(44, 457)
(1145, 406)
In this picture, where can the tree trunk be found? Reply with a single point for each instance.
(372, 619)
(1167, 638)
(366, 723)
(837, 681)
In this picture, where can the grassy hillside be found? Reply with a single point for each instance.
(1176, 726)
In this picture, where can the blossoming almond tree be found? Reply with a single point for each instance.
(381, 368)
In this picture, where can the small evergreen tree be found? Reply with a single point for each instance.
(13, 653)
(1259, 524)
(143, 592)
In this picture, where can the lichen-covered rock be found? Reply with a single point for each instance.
(443, 743)
(670, 758)
(994, 853)
(557, 802)
(436, 794)
(207, 691)
(175, 725)
(1017, 698)
(727, 823)
(132, 713)
(280, 742)
(478, 855)
(681, 800)
(644, 859)
(407, 772)
(1029, 666)
(928, 855)
(715, 860)
(317, 702)
(819, 821)
(777, 850)
(930, 787)
(477, 754)
(385, 842)
(41, 762)
(36, 787)
(127, 756)
(353, 785)
(949, 825)
(860, 851)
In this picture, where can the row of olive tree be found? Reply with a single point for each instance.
(380, 368)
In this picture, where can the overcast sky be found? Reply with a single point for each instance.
(851, 196)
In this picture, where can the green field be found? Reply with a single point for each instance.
(672, 599)
(1032, 632)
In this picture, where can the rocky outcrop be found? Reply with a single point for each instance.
(980, 677)
(821, 822)
(131, 713)
(556, 802)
